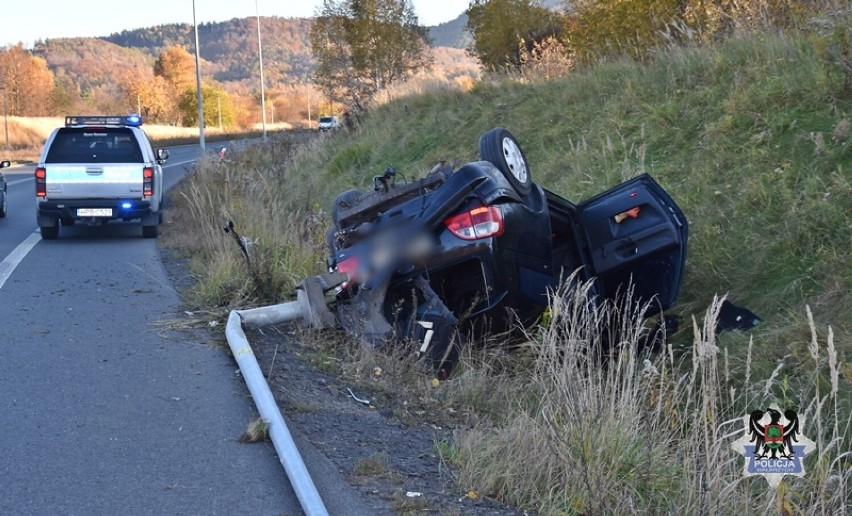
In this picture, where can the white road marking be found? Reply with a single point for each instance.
(181, 163)
(10, 183)
(8, 265)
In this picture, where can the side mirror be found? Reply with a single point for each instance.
(5, 163)
(162, 156)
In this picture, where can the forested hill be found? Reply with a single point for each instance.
(230, 47)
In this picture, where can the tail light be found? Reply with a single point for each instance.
(481, 222)
(148, 182)
(41, 182)
(349, 266)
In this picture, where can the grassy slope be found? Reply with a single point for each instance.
(752, 139)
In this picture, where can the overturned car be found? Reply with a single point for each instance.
(432, 259)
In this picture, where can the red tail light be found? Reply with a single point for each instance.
(41, 182)
(481, 222)
(349, 266)
(148, 182)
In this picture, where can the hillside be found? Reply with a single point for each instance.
(451, 34)
(752, 137)
(230, 47)
(96, 67)
(92, 67)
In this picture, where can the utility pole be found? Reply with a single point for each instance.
(219, 100)
(310, 123)
(198, 83)
(6, 117)
(260, 55)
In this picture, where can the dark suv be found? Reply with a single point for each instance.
(4, 189)
(485, 243)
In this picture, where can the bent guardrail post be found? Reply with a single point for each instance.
(310, 309)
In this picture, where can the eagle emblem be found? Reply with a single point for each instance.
(773, 444)
(773, 440)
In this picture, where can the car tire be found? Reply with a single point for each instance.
(3, 204)
(150, 231)
(67, 222)
(499, 147)
(49, 232)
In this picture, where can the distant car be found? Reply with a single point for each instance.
(4, 189)
(328, 123)
(486, 243)
(97, 169)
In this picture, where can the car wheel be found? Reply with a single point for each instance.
(502, 149)
(49, 232)
(67, 222)
(3, 204)
(150, 231)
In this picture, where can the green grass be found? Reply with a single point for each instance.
(753, 138)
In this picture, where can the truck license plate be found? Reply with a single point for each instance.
(94, 212)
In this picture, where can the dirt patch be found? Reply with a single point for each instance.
(382, 456)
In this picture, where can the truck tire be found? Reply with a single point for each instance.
(49, 232)
(502, 149)
(150, 231)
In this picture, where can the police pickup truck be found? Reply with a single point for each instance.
(97, 169)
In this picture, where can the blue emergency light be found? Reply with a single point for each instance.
(132, 120)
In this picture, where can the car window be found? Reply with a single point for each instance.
(94, 145)
(325, 119)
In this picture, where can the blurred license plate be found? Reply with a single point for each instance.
(94, 212)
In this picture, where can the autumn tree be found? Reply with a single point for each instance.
(364, 46)
(218, 105)
(177, 66)
(154, 98)
(26, 81)
(603, 28)
(598, 29)
(504, 31)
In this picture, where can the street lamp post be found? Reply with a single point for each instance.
(260, 55)
(6, 117)
(198, 83)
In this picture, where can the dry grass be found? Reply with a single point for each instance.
(28, 134)
(283, 245)
(584, 432)
(256, 431)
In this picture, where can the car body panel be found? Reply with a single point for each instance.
(636, 233)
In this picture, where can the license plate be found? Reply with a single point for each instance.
(94, 212)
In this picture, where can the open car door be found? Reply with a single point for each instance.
(635, 233)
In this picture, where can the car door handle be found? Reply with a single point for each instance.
(627, 248)
(94, 171)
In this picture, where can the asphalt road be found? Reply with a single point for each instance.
(102, 411)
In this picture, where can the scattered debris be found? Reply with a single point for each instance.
(733, 317)
(256, 431)
(356, 398)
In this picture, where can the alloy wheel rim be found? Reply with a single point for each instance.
(515, 160)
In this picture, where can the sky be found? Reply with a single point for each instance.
(27, 21)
